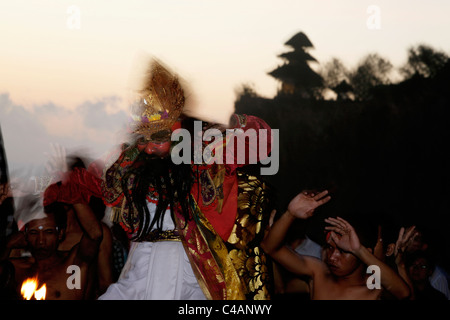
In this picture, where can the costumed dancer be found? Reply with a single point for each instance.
(194, 228)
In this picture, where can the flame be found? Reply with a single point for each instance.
(40, 294)
(29, 287)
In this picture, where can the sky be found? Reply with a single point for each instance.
(66, 66)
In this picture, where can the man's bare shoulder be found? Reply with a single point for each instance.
(314, 263)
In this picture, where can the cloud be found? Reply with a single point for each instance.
(22, 134)
(94, 113)
(94, 127)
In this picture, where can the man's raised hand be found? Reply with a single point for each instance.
(304, 204)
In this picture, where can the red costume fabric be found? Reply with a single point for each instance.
(77, 186)
(216, 186)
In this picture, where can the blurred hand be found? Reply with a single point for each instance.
(403, 241)
(343, 234)
(57, 161)
(304, 204)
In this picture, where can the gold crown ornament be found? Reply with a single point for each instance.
(158, 104)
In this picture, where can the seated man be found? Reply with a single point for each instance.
(42, 236)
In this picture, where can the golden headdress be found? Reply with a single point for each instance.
(159, 102)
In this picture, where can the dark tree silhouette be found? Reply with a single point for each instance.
(245, 90)
(334, 72)
(424, 61)
(336, 77)
(372, 71)
(295, 75)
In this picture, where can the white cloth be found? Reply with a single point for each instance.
(156, 271)
(309, 248)
(438, 280)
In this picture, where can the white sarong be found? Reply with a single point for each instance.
(156, 271)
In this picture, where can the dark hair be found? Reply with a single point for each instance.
(172, 184)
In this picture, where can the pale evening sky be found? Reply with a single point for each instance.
(65, 65)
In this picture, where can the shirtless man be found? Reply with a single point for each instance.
(42, 237)
(341, 274)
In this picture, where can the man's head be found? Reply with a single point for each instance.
(43, 235)
(420, 266)
(340, 263)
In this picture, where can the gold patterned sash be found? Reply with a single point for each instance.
(235, 269)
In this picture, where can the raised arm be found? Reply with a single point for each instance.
(92, 233)
(73, 190)
(105, 260)
(301, 207)
(405, 237)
